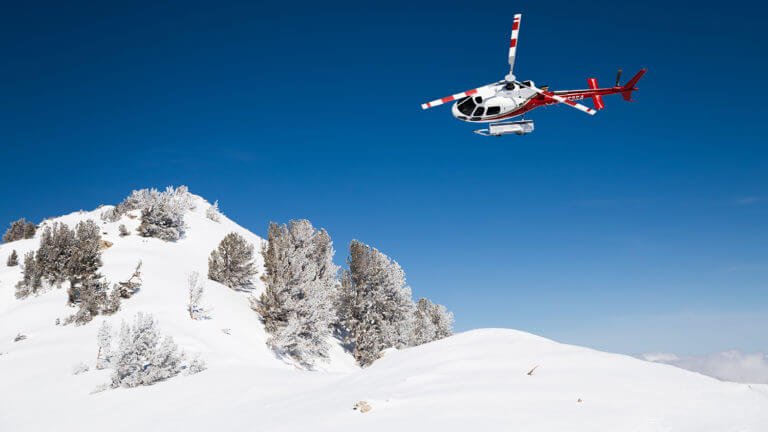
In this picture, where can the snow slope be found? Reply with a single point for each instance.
(471, 381)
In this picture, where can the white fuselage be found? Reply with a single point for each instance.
(492, 103)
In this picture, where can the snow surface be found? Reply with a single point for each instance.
(471, 381)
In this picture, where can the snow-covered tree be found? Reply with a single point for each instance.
(29, 230)
(162, 221)
(123, 230)
(84, 261)
(53, 256)
(431, 322)
(196, 365)
(213, 213)
(301, 287)
(142, 358)
(13, 259)
(20, 229)
(32, 281)
(231, 263)
(375, 306)
(195, 285)
(104, 340)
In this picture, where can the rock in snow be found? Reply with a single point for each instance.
(477, 380)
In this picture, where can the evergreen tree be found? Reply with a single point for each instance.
(297, 306)
(13, 259)
(32, 281)
(53, 255)
(195, 287)
(213, 213)
(161, 221)
(142, 357)
(29, 230)
(375, 305)
(18, 231)
(431, 322)
(83, 264)
(232, 262)
(104, 338)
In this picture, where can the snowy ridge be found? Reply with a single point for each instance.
(469, 381)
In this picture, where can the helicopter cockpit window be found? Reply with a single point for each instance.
(466, 106)
(478, 100)
(494, 110)
(479, 111)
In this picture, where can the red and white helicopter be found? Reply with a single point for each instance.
(510, 98)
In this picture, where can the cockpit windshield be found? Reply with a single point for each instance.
(466, 106)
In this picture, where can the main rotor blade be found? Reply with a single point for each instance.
(457, 96)
(513, 42)
(560, 99)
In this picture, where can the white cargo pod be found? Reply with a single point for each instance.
(498, 129)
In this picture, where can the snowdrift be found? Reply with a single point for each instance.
(472, 381)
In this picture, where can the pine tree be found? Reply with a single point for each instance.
(32, 281)
(375, 305)
(92, 300)
(13, 259)
(301, 287)
(213, 213)
(142, 357)
(104, 339)
(84, 262)
(18, 231)
(195, 287)
(431, 322)
(29, 230)
(232, 262)
(53, 256)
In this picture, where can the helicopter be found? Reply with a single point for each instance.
(509, 98)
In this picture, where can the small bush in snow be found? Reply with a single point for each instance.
(197, 365)
(195, 286)
(80, 368)
(123, 230)
(142, 357)
(13, 259)
(129, 287)
(20, 229)
(213, 213)
(297, 306)
(232, 262)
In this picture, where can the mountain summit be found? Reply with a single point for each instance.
(54, 376)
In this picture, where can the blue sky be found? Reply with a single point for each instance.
(642, 228)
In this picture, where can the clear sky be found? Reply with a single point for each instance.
(642, 228)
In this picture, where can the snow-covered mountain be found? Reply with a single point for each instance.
(471, 381)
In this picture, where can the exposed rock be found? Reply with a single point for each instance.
(104, 244)
(362, 406)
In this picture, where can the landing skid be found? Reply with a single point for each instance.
(521, 127)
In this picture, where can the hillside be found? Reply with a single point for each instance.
(471, 380)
